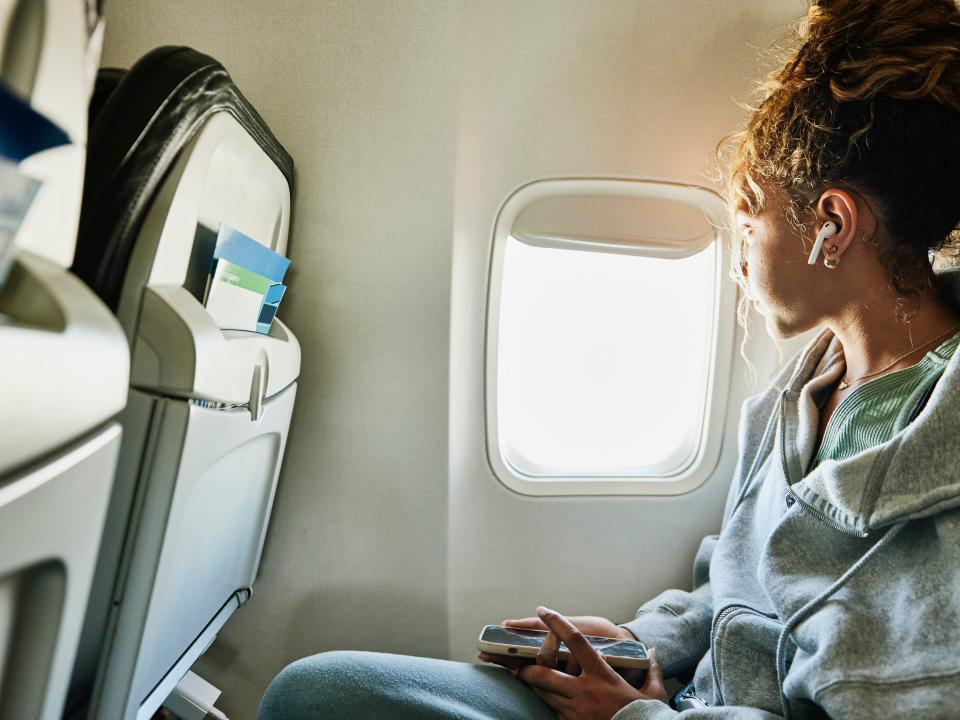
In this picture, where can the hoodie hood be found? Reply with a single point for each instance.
(915, 474)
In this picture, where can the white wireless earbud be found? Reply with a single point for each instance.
(828, 230)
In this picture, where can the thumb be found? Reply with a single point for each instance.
(653, 686)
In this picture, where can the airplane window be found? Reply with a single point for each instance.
(602, 360)
(609, 338)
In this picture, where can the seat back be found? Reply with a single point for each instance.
(175, 151)
(64, 364)
(155, 110)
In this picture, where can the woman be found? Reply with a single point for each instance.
(834, 587)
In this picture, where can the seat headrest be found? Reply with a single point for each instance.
(105, 83)
(140, 121)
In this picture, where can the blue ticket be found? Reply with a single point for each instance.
(246, 252)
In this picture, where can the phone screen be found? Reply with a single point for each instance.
(534, 638)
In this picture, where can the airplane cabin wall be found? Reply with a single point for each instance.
(410, 123)
(362, 94)
(616, 88)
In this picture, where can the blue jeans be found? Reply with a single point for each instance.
(376, 686)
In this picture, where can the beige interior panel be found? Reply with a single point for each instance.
(410, 122)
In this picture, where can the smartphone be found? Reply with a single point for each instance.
(519, 642)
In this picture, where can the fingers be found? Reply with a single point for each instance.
(554, 700)
(547, 679)
(573, 667)
(653, 687)
(547, 654)
(529, 623)
(634, 676)
(587, 658)
(510, 663)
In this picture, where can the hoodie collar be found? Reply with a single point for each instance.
(912, 475)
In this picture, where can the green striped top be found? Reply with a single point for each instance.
(877, 410)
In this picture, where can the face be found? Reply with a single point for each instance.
(780, 284)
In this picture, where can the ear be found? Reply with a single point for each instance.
(839, 207)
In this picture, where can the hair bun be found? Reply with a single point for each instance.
(903, 49)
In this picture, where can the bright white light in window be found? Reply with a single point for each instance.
(603, 360)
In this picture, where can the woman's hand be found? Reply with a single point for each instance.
(586, 624)
(597, 692)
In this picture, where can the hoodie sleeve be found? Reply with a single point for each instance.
(854, 700)
(656, 710)
(677, 623)
(868, 699)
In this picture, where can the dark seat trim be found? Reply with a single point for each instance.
(137, 133)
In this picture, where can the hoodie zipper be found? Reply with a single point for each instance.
(786, 474)
(715, 634)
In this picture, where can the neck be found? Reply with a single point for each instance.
(872, 337)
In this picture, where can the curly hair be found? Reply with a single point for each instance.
(867, 99)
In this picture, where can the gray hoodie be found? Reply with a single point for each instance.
(835, 594)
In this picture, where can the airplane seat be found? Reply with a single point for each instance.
(64, 361)
(176, 151)
(144, 117)
(106, 82)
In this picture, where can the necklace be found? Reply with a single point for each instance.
(844, 384)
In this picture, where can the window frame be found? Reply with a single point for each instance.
(693, 474)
